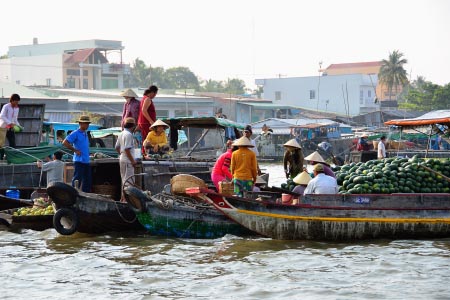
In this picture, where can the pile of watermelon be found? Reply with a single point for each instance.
(394, 175)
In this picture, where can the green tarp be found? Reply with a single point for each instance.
(31, 155)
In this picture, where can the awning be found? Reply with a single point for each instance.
(434, 117)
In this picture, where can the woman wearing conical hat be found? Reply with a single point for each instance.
(292, 159)
(156, 141)
(130, 107)
(315, 158)
(301, 180)
(243, 166)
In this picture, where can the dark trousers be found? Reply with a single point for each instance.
(82, 173)
(11, 136)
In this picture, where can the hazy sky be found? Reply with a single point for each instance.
(246, 39)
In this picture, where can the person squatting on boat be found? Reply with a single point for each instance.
(321, 183)
(147, 112)
(9, 123)
(293, 158)
(315, 158)
(78, 142)
(130, 107)
(125, 147)
(156, 140)
(243, 166)
(363, 145)
(221, 169)
(302, 181)
(54, 168)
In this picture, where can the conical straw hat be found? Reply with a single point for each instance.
(159, 123)
(292, 143)
(315, 156)
(302, 178)
(128, 93)
(243, 142)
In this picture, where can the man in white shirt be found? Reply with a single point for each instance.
(321, 183)
(125, 147)
(382, 148)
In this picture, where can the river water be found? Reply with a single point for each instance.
(44, 265)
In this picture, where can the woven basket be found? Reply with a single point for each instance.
(180, 182)
(105, 189)
(226, 188)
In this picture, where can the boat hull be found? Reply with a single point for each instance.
(182, 217)
(342, 217)
(93, 213)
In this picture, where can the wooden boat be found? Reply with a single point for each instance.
(77, 211)
(337, 217)
(8, 203)
(166, 214)
(13, 222)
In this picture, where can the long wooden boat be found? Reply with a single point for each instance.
(77, 211)
(337, 217)
(9, 203)
(34, 222)
(166, 214)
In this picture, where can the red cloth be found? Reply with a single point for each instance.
(143, 123)
(222, 165)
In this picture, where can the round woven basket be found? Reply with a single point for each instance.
(179, 183)
(105, 189)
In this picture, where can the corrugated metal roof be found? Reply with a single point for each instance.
(269, 105)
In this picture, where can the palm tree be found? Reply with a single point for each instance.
(392, 72)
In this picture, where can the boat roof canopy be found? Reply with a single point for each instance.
(202, 122)
(441, 117)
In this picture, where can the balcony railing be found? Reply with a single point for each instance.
(115, 69)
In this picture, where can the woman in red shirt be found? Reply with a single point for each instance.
(221, 169)
(147, 111)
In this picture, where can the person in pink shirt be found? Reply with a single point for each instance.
(221, 169)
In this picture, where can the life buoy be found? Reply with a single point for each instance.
(62, 194)
(65, 221)
(135, 198)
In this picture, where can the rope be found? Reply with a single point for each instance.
(121, 216)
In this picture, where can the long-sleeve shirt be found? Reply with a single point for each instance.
(243, 164)
(154, 139)
(222, 165)
(9, 115)
(130, 109)
(321, 184)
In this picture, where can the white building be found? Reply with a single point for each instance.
(77, 64)
(346, 95)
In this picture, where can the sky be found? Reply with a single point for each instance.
(246, 39)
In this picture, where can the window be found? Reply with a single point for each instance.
(182, 113)
(48, 81)
(369, 93)
(162, 114)
(361, 97)
(70, 83)
(76, 72)
(312, 94)
(277, 95)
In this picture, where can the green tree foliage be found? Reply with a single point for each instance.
(181, 78)
(235, 86)
(142, 75)
(392, 72)
(425, 95)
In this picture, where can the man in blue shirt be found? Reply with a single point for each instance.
(78, 142)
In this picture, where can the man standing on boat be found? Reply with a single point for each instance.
(321, 183)
(243, 166)
(125, 148)
(78, 142)
(382, 148)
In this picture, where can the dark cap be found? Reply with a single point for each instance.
(248, 128)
